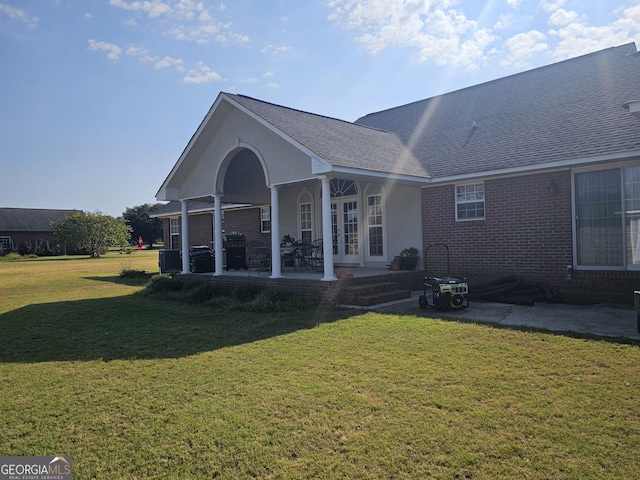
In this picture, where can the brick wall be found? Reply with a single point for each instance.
(245, 221)
(527, 231)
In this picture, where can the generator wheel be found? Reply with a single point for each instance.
(422, 301)
(457, 301)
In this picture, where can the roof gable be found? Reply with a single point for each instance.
(574, 109)
(340, 143)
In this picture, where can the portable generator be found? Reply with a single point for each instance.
(446, 292)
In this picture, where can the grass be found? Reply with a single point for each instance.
(139, 387)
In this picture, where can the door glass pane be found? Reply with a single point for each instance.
(599, 218)
(350, 225)
(334, 228)
(632, 213)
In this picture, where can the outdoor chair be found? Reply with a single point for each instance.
(315, 258)
(258, 256)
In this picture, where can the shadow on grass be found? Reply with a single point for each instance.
(132, 281)
(138, 327)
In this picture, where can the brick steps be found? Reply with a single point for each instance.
(372, 294)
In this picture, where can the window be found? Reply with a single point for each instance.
(470, 201)
(374, 220)
(305, 223)
(265, 219)
(5, 244)
(607, 212)
(174, 232)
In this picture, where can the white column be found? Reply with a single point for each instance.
(276, 270)
(184, 219)
(327, 246)
(217, 231)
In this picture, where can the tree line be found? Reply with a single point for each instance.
(94, 233)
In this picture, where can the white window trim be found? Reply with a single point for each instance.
(455, 193)
(369, 226)
(262, 220)
(574, 213)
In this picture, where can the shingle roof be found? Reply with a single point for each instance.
(569, 110)
(341, 143)
(30, 219)
(175, 208)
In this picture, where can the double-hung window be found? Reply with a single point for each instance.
(470, 201)
(305, 223)
(374, 221)
(174, 232)
(265, 219)
(607, 216)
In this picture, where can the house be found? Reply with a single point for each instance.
(28, 230)
(535, 174)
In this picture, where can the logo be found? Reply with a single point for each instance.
(35, 468)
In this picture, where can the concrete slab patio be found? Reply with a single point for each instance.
(612, 321)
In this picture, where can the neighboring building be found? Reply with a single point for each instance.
(536, 174)
(28, 230)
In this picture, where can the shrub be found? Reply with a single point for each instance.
(248, 292)
(202, 292)
(247, 297)
(163, 283)
(132, 273)
(12, 256)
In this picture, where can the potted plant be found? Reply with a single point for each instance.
(287, 251)
(408, 258)
(287, 241)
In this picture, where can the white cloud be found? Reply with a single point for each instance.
(439, 33)
(562, 17)
(168, 62)
(579, 38)
(551, 6)
(113, 50)
(18, 15)
(187, 20)
(275, 50)
(201, 73)
(153, 8)
(523, 46)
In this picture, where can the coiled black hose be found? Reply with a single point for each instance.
(514, 290)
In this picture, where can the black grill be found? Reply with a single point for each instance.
(235, 246)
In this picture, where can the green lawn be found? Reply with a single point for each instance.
(135, 387)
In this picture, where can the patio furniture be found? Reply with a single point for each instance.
(258, 256)
(314, 257)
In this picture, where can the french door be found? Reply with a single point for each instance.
(345, 236)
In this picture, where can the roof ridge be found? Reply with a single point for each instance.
(306, 112)
(631, 50)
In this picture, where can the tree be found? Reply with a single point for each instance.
(150, 229)
(91, 233)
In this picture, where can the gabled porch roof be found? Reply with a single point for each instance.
(332, 146)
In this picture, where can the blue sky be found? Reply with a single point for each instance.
(100, 97)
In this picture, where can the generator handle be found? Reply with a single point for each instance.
(426, 266)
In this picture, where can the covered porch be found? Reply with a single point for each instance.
(314, 188)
